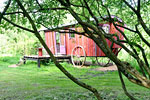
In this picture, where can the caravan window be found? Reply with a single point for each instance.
(71, 35)
(105, 27)
(57, 37)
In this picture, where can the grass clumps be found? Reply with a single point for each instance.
(28, 82)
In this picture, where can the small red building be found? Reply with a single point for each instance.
(65, 43)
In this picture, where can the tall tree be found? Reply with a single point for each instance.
(50, 13)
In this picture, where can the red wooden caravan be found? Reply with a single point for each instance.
(78, 46)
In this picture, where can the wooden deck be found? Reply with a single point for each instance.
(45, 58)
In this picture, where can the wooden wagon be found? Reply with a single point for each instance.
(77, 46)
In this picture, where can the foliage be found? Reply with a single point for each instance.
(22, 43)
(41, 14)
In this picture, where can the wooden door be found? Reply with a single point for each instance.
(60, 43)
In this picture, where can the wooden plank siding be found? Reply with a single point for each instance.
(89, 45)
(114, 31)
(49, 38)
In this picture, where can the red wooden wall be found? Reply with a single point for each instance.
(90, 47)
(50, 40)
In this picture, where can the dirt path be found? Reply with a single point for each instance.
(109, 68)
(14, 65)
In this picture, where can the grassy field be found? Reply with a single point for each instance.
(27, 82)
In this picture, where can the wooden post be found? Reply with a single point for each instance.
(24, 60)
(40, 52)
(38, 61)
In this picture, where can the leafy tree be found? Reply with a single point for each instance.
(50, 13)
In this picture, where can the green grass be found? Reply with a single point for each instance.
(27, 82)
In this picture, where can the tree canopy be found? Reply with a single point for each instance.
(30, 15)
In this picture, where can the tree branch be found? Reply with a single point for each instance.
(101, 42)
(54, 59)
(64, 3)
(99, 10)
(124, 86)
(109, 37)
(77, 5)
(126, 28)
(146, 29)
(38, 4)
(142, 38)
(18, 25)
(127, 69)
(129, 6)
(138, 59)
(4, 11)
(139, 6)
(73, 32)
(43, 9)
(91, 13)
(125, 38)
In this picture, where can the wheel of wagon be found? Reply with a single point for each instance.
(103, 61)
(78, 56)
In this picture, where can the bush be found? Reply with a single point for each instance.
(10, 60)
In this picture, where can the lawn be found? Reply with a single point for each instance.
(27, 82)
